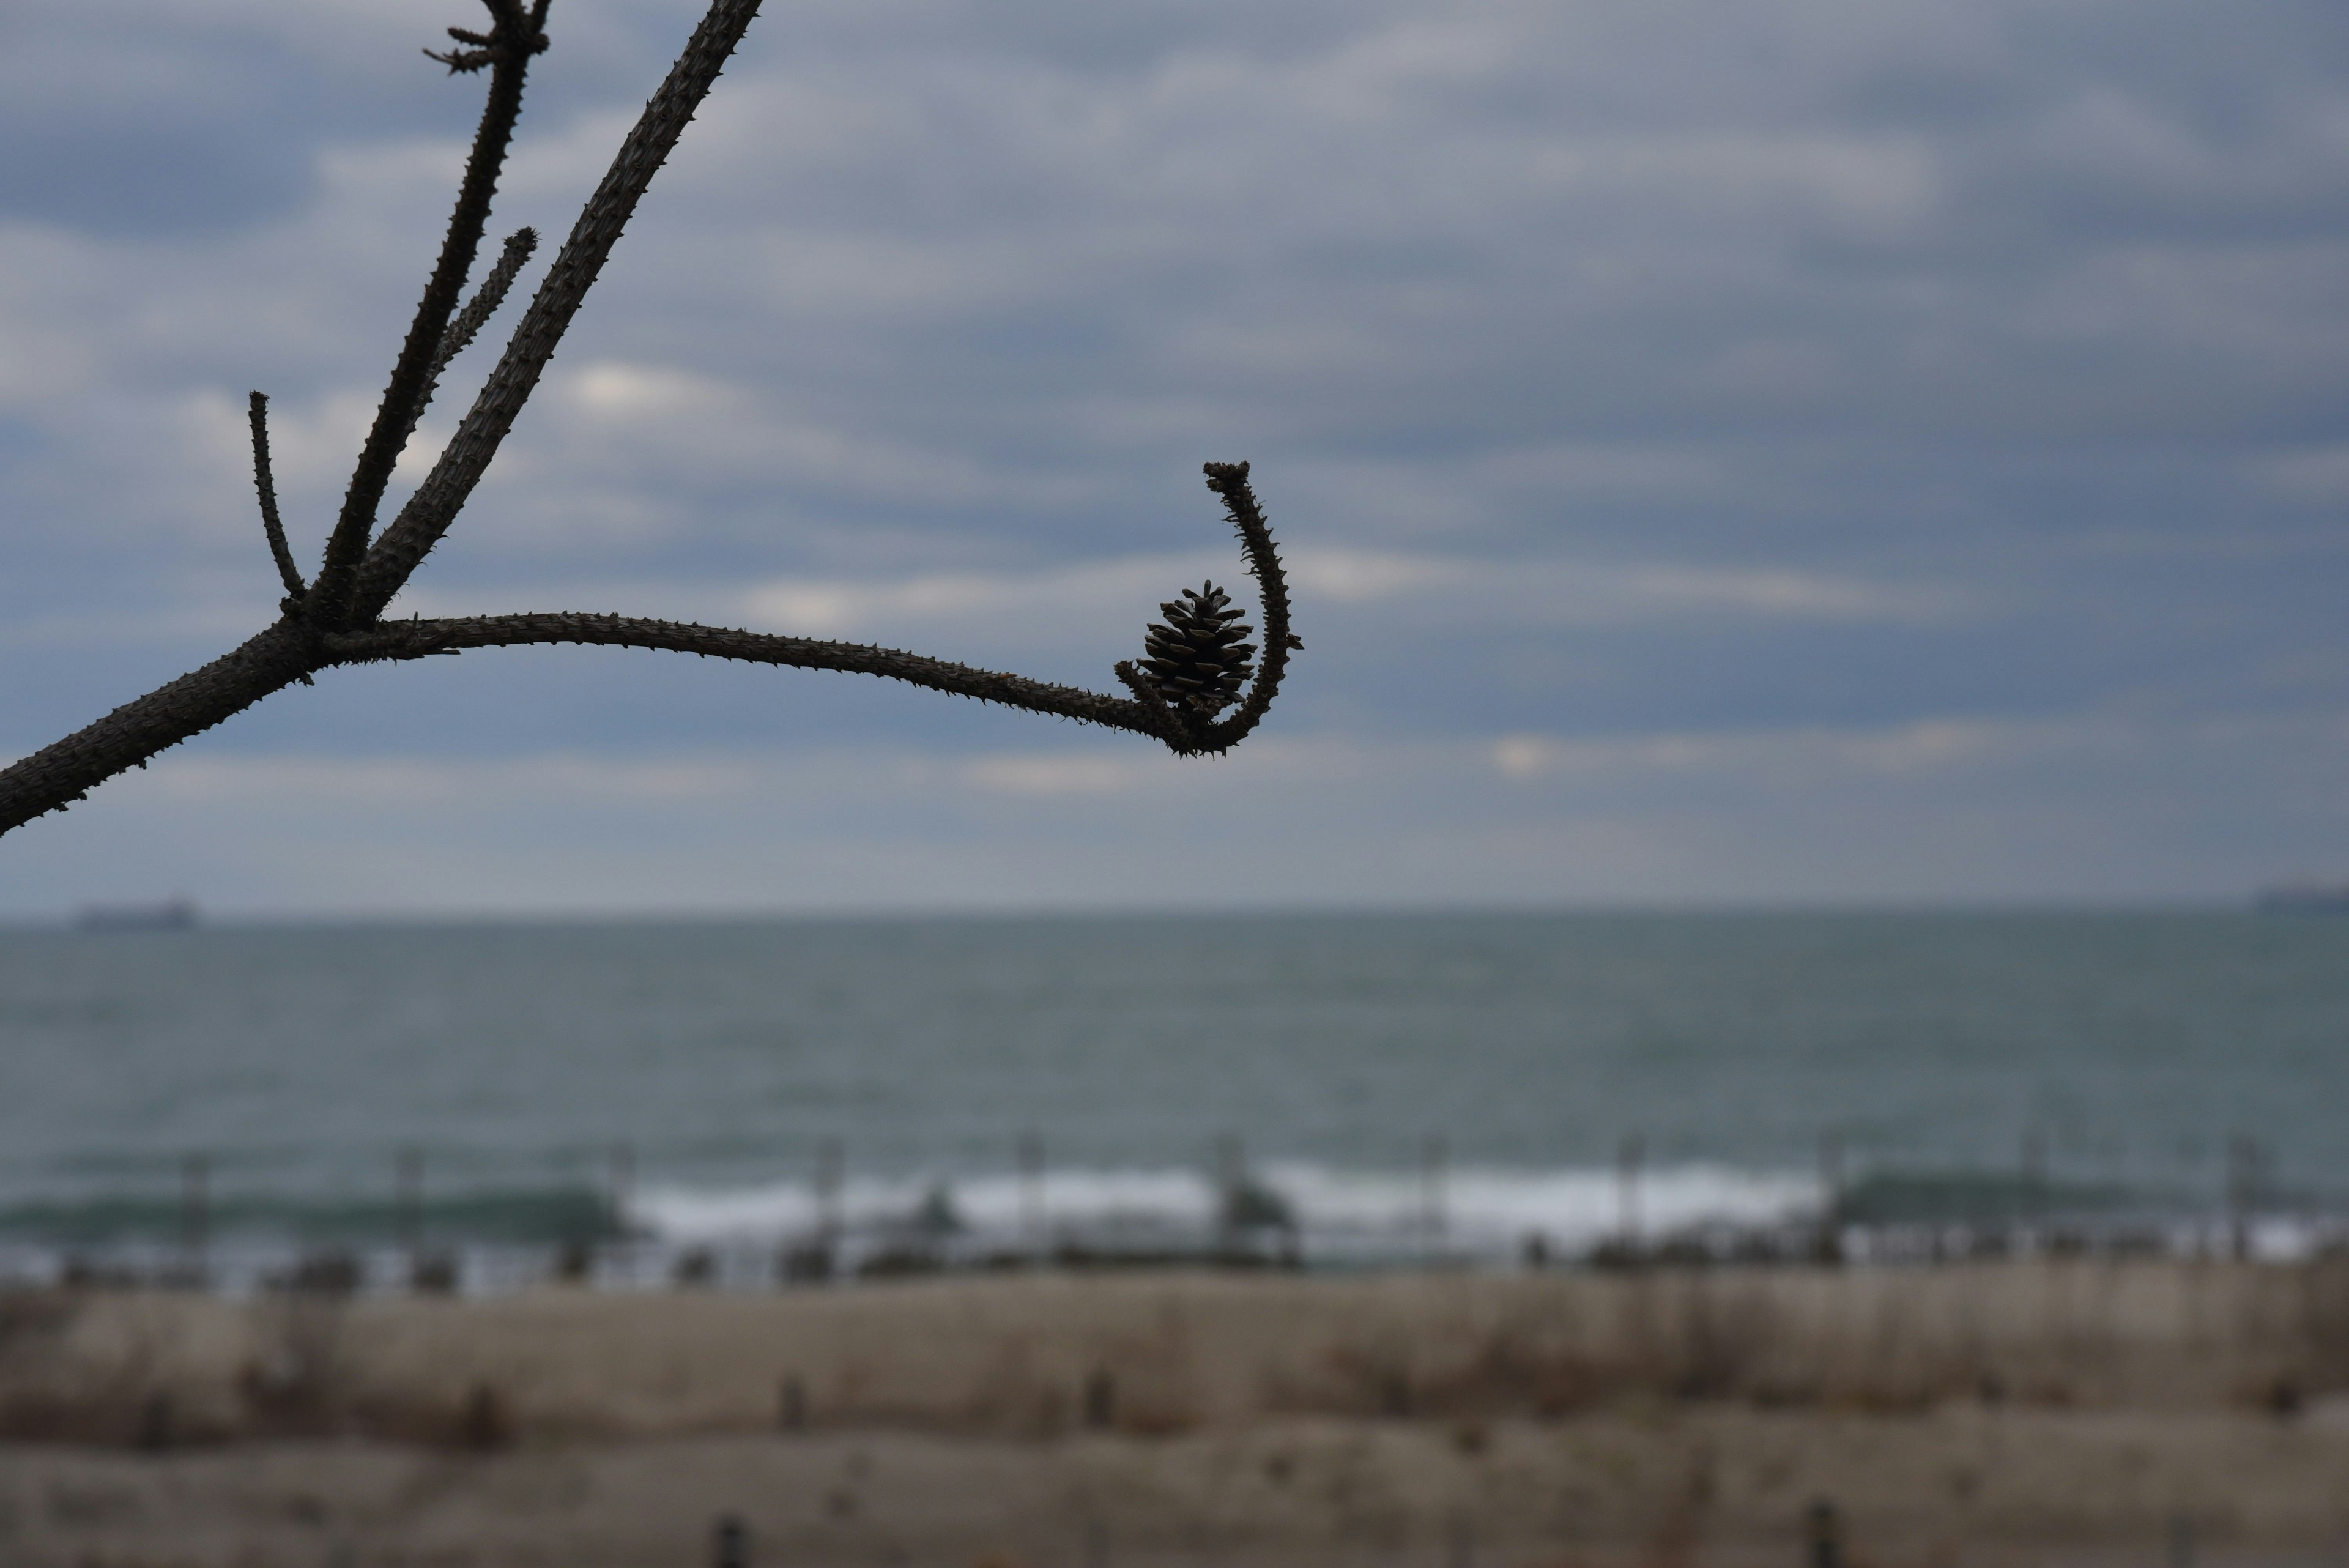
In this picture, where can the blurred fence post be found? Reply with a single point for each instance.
(1033, 1234)
(1101, 1399)
(1832, 1199)
(792, 1412)
(1231, 1180)
(1823, 1535)
(2035, 1175)
(730, 1543)
(1434, 1221)
(1628, 1162)
(2243, 1194)
(830, 1163)
(621, 1198)
(195, 1214)
(408, 1197)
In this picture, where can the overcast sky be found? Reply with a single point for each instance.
(1731, 451)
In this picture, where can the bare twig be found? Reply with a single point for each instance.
(1229, 480)
(436, 503)
(462, 61)
(399, 640)
(478, 310)
(257, 412)
(508, 48)
(486, 299)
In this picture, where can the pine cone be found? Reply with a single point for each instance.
(1198, 656)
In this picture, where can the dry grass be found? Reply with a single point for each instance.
(1158, 1354)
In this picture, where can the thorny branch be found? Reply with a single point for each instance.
(475, 316)
(273, 526)
(436, 503)
(337, 619)
(507, 48)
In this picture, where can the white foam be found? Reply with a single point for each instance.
(1473, 1208)
(983, 1204)
(1571, 1207)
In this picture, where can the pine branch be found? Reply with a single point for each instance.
(402, 640)
(295, 649)
(257, 413)
(485, 304)
(336, 620)
(508, 49)
(469, 321)
(428, 513)
(59, 774)
(1229, 480)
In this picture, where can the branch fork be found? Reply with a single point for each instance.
(336, 617)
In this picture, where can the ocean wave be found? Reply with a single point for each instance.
(1476, 1207)
(516, 1216)
(1328, 1213)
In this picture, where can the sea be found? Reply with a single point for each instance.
(714, 1098)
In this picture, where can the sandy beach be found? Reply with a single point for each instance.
(2091, 1409)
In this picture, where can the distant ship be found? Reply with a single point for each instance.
(170, 915)
(2305, 900)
